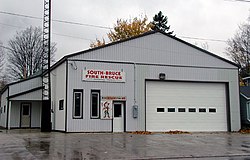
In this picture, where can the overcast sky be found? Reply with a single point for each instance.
(206, 19)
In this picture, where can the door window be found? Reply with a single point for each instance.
(26, 110)
(117, 110)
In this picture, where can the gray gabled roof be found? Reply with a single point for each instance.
(245, 91)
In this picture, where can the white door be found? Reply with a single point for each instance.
(185, 106)
(25, 115)
(118, 117)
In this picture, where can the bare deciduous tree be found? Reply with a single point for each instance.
(25, 53)
(1, 56)
(239, 49)
(3, 80)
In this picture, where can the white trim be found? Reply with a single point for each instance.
(81, 106)
(244, 96)
(248, 111)
(246, 78)
(98, 104)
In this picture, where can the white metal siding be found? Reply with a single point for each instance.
(35, 113)
(36, 110)
(185, 95)
(188, 74)
(107, 89)
(126, 89)
(177, 60)
(25, 85)
(15, 114)
(4, 102)
(58, 91)
(155, 49)
(33, 96)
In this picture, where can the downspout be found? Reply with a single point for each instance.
(134, 83)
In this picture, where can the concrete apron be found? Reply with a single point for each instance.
(32, 144)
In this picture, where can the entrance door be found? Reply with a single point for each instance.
(118, 117)
(25, 115)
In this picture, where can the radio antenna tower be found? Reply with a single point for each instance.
(46, 91)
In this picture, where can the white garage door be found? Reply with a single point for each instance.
(185, 106)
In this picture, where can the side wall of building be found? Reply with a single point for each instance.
(243, 111)
(25, 85)
(3, 110)
(36, 108)
(58, 93)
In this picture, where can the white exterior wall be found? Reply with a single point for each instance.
(34, 96)
(58, 92)
(36, 110)
(3, 115)
(194, 74)
(107, 89)
(155, 49)
(25, 85)
(143, 73)
(15, 114)
(154, 54)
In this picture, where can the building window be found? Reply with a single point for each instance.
(95, 103)
(248, 111)
(160, 109)
(191, 109)
(4, 108)
(61, 104)
(202, 109)
(212, 110)
(181, 109)
(171, 109)
(78, 103)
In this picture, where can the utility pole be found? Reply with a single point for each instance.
(46, 83)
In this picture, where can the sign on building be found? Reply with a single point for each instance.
(103, 75)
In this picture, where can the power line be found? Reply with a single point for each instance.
(58, 34)
(205, 39)
(55, 20)
(90, 25)
(70, 36)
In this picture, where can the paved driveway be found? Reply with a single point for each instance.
(31, 144)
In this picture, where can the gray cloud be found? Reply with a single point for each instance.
(215, 19)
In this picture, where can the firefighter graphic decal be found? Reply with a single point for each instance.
(106, 110)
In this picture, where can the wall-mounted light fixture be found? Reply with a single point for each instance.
(162, 76)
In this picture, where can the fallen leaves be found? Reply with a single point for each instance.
(142, 132)
(176, 132)
(244, 130)
(169, 132)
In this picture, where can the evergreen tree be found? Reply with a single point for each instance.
(160, 22)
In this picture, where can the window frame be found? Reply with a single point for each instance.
(61, 104)
(81, 103)
(248, 110)
(98, 105)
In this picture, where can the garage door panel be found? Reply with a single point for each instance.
(185, 95)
